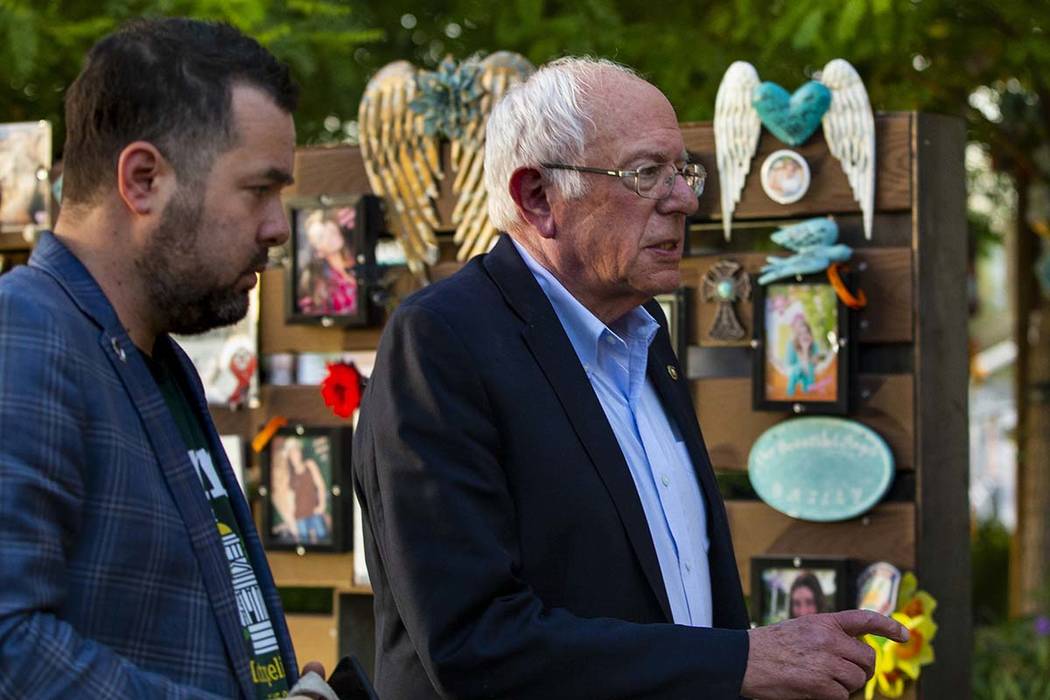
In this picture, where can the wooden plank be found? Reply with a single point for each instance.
(328, 170)
(14, 241)
(315, 570)
(315, 638)
(885, 275)
(277, 336)
(340, 170)
(884, 404)
(239, 422)
(886, 533)
(890, 230)
(299, 403)
(829, 192)
(941, 370)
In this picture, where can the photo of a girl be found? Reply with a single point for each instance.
(326, 282)
(801, 358)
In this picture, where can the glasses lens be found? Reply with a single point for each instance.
(695, 176)
(651, 181)
(657, 181)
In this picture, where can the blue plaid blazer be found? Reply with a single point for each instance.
(113, 581)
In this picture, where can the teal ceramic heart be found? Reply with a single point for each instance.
(791, 118)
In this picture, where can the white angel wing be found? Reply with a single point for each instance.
(737, 128)
(401, 160)
(849, 128)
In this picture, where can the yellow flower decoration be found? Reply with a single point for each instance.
(887, 677)
(913, 602)
(896, 663)
(917, 652)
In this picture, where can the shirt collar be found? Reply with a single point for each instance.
(583, 327)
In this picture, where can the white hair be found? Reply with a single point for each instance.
(544, 119)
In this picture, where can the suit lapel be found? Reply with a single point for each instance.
(181, 477)
(546, 339)
(726, 592)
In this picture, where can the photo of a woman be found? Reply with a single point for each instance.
(299, 484)
(326, 284)
(806, 596)
(787, 588)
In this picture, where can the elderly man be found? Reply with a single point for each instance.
(544, 520)
(131, 565)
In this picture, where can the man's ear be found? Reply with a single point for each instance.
(144, 177)
(531, 194)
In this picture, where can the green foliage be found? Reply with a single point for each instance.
(990, 555)
(1011, 661)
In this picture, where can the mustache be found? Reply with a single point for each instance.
(259, 261)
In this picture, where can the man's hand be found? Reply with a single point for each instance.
(816, 656)
(311, 685)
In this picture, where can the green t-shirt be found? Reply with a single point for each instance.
(266, 662)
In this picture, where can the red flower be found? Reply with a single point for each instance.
(341, 389)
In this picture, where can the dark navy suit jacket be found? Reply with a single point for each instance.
(114, 582)
(505, 540)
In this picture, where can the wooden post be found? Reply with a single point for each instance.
(941, 390)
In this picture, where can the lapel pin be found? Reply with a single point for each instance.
(673, 372)
(119, 350)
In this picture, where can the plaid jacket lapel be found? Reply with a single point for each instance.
(182, 480)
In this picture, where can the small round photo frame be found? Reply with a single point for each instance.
(785, 176)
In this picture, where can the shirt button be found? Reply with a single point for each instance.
(610, 340)
(665, 481)
(688, 567)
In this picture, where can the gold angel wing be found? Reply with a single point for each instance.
(475, 234)
(737, 129)
(849, 128)
(401, 161)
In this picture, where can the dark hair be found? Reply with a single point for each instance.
(807, 580)
(168, 82)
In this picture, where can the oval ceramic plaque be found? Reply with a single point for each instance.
(820, 469)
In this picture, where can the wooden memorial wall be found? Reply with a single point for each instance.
(909, 380)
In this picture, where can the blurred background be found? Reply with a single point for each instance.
(986, 62)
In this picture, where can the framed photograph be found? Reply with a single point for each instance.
(675, 306)
(877, 588)
(25, 164)
(801, 359)
(785, 176)
(783, 588)
(236, 451)
(306, 481)
(227, 359)
(333, 260)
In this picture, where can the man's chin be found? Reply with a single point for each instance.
(210, 314)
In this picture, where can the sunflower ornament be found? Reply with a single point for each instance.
(897, 663)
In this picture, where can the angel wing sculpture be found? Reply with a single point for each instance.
(737, 128)
(403, 116)
(849, 129)
(401, 160)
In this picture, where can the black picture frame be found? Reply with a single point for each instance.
(676, 306)
(781, 381)
(774, 579)
(282, 528)
(316, 293)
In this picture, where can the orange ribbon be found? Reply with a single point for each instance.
(854, 302)
(263, 437)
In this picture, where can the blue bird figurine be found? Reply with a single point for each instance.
(814, 243)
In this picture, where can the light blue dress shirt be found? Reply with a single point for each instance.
(615, 361)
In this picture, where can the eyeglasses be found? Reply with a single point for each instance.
(651, 181)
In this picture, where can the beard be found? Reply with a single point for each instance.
(188, 296)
